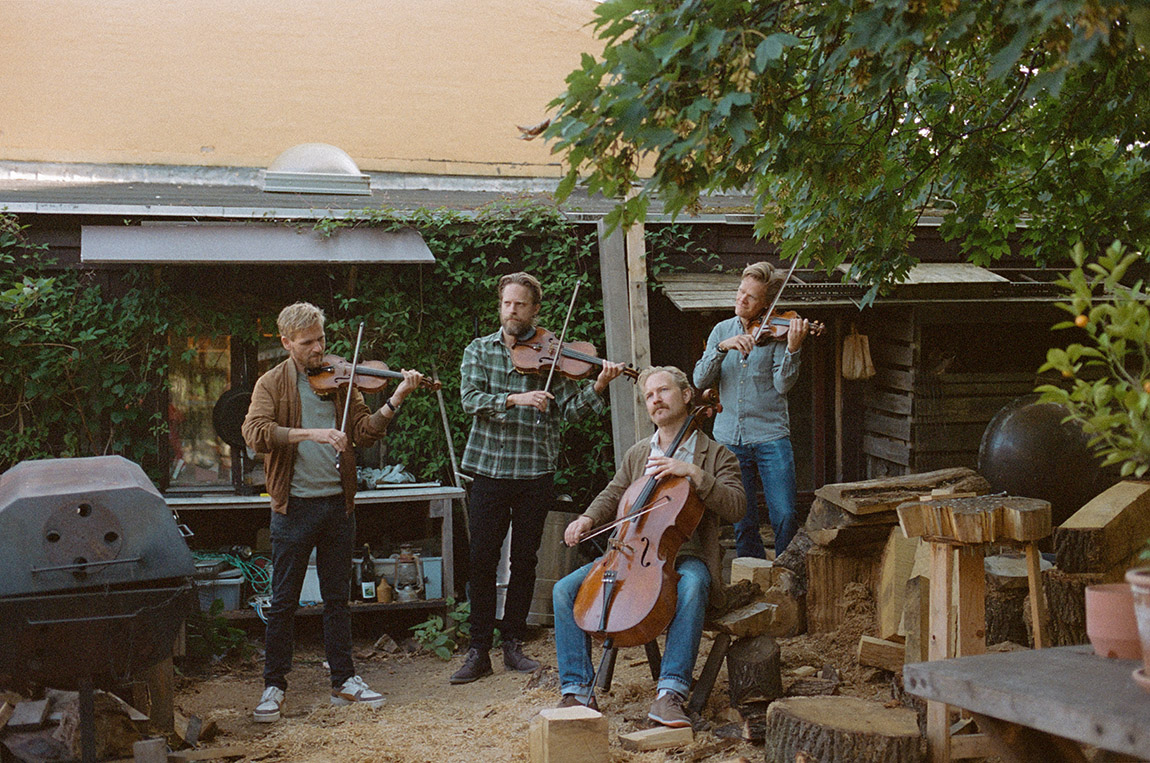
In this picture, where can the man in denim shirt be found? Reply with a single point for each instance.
(754, 424)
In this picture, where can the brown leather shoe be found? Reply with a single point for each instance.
(514, 659)
(668, 710)
(570, 700)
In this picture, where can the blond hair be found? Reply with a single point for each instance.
(763, 272)
(530, 282)
(298, 317)
(677, 376)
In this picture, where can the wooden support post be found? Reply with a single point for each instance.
(616, 321)
(161, 694)
(568, 735)
(640, 317)
(1037, 597)
(937, 713)
(970, 616)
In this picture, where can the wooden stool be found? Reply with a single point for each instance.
(700, 692)
(959, 530)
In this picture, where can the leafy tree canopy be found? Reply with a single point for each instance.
(846, 119)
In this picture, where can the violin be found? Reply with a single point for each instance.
(370, 376)
(777, 325)
(630, 594)
(538, 353)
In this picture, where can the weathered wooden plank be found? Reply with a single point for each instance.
(891, 426)
(976, 520)
(891, 353)
(896, 325)
(893, 378)
(885, 448)
(890, 402)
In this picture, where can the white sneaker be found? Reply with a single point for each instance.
(268, 710)
(356, 691)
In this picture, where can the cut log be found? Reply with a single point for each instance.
(754, 670)
(825, 515)
(894, 570)
(790, 611)
(983, 519)
(1106, 532)
(751, 620)
(841, 730)
(761, 572)
(568, 735)
(828, 573)
(795, 560)
(860, 540)
(886, 493)
(658, 738)
(1066, 603)
(1006, 589)
(880, 653)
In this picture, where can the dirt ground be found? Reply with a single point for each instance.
(427, 719)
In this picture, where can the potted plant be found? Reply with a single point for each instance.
(1108, 387)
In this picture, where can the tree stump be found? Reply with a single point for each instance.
(754, 670)
(841, 730)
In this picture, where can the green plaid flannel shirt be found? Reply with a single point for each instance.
(511, 443)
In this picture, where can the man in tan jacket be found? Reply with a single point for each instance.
(714, 475)
(312, 500)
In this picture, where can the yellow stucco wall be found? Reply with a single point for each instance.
(423, 86)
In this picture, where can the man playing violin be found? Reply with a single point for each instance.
(714, 474)
(753, 384)
(512, 453)
(312, 500)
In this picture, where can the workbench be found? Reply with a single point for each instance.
(431, 501)
(1031, 702)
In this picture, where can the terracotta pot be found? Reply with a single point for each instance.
(1110, 622)
(1139, 581)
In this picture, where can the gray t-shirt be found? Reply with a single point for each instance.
(314, 474)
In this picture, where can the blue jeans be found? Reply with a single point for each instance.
(325, 525)
(775, 463)
(573, 645)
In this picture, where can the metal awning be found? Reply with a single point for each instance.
(259, 244)
(926, 282)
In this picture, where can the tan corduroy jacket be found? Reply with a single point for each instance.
(721, 492)
(275, 408)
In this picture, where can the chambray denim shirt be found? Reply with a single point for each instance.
(753, 390)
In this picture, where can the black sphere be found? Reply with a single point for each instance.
(1028, 451)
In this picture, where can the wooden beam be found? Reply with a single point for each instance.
(616, 323)
(640, 318)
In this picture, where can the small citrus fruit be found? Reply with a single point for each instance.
(1081, 321)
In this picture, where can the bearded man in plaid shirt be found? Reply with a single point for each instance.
(512, 454)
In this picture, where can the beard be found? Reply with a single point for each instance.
(515, 327)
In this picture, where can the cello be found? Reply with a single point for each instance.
(630, 594)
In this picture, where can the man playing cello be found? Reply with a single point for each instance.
(714, 474)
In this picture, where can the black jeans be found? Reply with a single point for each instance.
(492, 505)
(325, 525)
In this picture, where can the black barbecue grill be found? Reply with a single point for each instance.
(95, 576)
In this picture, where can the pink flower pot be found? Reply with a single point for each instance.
(1110, 622)
(1139, 581)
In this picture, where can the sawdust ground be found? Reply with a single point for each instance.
(427, 719)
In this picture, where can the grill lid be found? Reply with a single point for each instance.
(75, 523)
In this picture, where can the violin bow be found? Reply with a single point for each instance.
(775, 301)
(350, 387)
(559, 349)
